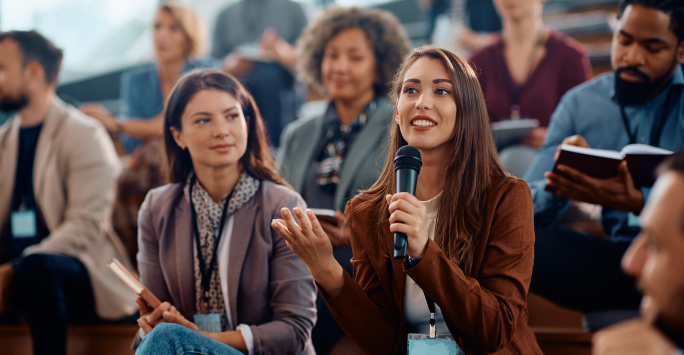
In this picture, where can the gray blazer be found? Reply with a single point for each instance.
(270, 288)
(362, 165)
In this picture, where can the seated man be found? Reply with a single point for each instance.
(58, 169)
(655, 260)
(641, 101)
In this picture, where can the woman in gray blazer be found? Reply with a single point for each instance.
(228, 282)
(351, 54)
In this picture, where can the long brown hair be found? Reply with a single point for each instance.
(256, 161)
(467, 175)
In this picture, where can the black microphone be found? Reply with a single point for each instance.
(407, 163)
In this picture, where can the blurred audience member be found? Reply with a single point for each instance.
(525, 73)
(474, 23)
(179, 41)
(255, 40)
(655, 260)
(641, 101)
(351, 55)
(433, 9)
(206, 243)
(58, 169)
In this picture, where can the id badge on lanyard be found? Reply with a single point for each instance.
(432, 344)
(23, 222)
(210, 322)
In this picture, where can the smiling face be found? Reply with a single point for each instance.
(655, 257)
(348, 69)
(170, 42)
(214, 129)
(644, 42)
(426, 108)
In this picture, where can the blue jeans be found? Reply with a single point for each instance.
(174, 339)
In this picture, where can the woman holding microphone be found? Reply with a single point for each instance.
(469, 227)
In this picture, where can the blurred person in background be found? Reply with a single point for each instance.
(179, 41)
(655, 260)
(525, 72)
(255, 38)
(640, 101)
(58, 171)
(351, 55)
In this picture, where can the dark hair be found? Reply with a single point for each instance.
(256, 161)
(36, 48)
(384, 32)
(467, 176)
(673, 8)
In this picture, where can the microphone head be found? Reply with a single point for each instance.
(408, 157)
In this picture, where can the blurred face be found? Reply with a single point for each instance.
(512, 10)
(644, 49)
(656, 257)
(214, 129)
(348, 70)
(13, 77)
(170, 42)
(426, 108)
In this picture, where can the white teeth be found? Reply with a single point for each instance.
(423, 123)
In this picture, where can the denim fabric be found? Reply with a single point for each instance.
(174, 339)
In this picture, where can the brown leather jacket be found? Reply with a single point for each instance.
(486, 314)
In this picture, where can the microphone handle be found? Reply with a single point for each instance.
(406, 182)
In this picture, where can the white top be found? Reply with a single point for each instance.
(416, 311)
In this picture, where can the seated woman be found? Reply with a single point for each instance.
(469, 227)
(179, 40)
(206, 244)
(525, 72)
(351, 55)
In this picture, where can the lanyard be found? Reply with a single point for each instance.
(207, 271)
(659, 124)
(431, 306)
(514, 92)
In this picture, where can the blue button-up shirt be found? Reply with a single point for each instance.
(141, 95)
(590, 110)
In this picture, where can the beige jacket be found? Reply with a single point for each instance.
(74, 179)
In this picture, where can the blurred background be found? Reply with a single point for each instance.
(102, 38)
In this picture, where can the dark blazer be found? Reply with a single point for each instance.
(486, 313)
(269, 287)
(362, 165)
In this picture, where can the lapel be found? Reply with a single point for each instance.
(181, 242)
(243, 224)
(305, 147)
(397, 269)
(9, 149)
(363, 148)
(46, 149)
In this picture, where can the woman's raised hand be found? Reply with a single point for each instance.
(311, 244)
(409, 216)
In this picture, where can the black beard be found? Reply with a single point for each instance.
(630, 93)
(13, 104)
(672, 330)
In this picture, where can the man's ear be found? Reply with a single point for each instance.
(680, 52)
(34, 74)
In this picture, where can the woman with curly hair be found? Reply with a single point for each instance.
(351, 54)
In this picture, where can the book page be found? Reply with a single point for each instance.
(644, 149)
(127, 279)
(610, 154)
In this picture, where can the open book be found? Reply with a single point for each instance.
(511, 132)
(129, 279)
(642, 161)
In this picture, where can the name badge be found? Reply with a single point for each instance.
(208, 322)
(24, 224)
(633, 220)
(422, 344)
